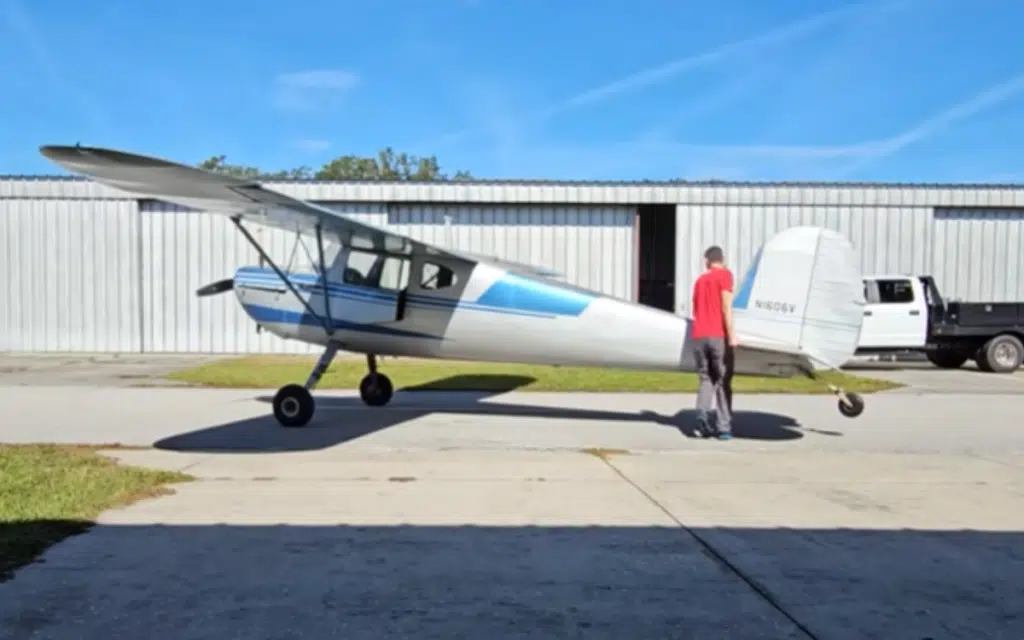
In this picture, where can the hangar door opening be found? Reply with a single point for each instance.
(657, 256)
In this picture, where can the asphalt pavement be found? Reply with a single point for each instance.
(536, 515)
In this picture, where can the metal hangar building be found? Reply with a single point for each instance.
(88, 268)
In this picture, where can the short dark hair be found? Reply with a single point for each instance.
(714, 254)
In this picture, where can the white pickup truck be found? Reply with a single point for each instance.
(907, 314)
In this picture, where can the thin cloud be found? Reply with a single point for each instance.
(313, 89)
(862, 154)
(1005, 178)
(705, 103)
(673, 68)
(984, 100)
(41, 53)
(311, 145)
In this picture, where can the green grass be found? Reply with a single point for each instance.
(51, 492)
(271, 372)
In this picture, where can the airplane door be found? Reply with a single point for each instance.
(375, 288)
(435, 291)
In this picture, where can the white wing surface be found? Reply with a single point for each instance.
(246, 200)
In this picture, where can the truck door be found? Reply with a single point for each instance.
(869, 330)
(898, 315)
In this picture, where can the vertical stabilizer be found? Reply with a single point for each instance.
(803, 291)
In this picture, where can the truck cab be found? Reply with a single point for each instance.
(896, 313)
(906, 313)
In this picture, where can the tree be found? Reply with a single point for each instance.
(387, 165)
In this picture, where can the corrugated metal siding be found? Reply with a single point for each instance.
(891, 239)
(70, 275)
(183, 250)
(978, 254)
(584, 193)
(74, 269)
(592, 246)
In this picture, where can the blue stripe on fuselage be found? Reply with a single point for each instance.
(742, 298)
(526, 294)
(510, 295)
(272, 315)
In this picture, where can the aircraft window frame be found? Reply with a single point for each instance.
(889, 290)
(427, 283)
(371, 277)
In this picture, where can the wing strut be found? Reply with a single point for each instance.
(323, 277)
(328, 326)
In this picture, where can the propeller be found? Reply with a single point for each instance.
(212, 289)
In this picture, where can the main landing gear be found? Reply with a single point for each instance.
(294, 405)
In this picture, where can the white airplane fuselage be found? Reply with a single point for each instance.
(490, 314)
(496, 316)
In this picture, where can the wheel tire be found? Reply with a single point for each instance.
(855, 408)
(947, 359)
(981, 359)
(293, 406)
(376, 389)
(1003, 353)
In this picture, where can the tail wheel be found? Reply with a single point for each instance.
(852, 407)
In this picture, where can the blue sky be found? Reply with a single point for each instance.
(903, 90)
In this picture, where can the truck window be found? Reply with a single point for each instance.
(895, 291)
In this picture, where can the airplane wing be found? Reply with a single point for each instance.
(245, 199)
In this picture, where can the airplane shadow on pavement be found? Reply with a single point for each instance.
(344, 419)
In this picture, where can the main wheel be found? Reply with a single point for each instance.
(855, 408)
(1003, 353)
(293, 405)
(376, 390)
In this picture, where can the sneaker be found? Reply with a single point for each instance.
(703, 429)
(724, 436)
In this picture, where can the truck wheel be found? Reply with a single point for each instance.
(981, 360)
(947, 358)
(1001, 354)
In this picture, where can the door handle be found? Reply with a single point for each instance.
(868, 313)
(915, 312)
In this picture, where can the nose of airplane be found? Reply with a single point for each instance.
(214, 288)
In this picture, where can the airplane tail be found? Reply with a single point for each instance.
(803, 293)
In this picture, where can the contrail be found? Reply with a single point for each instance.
(678, 66)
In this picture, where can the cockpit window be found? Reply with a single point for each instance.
(436, 276)
(369, 269)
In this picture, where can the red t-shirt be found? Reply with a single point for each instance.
(708, 318)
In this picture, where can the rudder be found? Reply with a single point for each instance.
(803, 291)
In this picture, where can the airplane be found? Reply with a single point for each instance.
(798, 309)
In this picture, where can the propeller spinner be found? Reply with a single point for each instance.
(214, 288)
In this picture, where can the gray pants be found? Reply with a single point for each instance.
(714, 368)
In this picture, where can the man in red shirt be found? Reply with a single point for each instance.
(713, 341)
